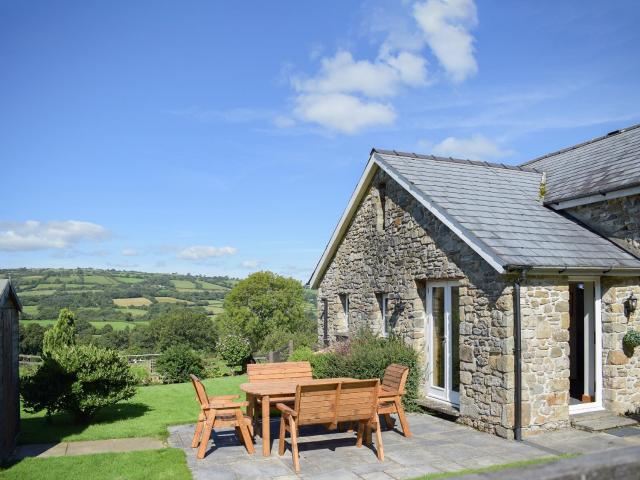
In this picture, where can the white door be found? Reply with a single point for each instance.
(443, 332)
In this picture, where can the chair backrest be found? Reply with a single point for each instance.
(201, 393)
(395, 378)
(357, 400)
(316, 404)
(269, 372)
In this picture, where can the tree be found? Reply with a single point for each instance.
(79, 379)
(62, 334)
(262, 304)
(183, 326)
(31, 337)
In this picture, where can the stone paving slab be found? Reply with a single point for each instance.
(115, 445)
(437, 445)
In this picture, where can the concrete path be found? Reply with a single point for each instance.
(62, 449)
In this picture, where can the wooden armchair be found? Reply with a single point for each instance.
(390, 396)
(328, 404)
(216, 412)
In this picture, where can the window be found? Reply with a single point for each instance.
(385, 313)
(344, 299)
(380, 203)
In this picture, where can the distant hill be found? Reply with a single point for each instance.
(111, 295)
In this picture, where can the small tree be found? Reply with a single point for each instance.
(63, 333)
(176, 363)
(79, 379)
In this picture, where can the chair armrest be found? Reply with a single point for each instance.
(227, 405)
(223, 397)
(286, 409)
(388, 393)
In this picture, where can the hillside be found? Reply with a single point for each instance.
(117, 297)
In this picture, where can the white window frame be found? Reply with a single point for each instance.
(445, 393)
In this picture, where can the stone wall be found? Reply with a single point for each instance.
(545, 354)
(397, 257)
(617, 219)
(621, 370)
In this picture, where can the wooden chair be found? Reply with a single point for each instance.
(328, 404)
(273, 372)
(217, 412)
(390, 397)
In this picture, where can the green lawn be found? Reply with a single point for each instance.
(147, 414)
(168, 463)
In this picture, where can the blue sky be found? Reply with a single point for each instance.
(226, 137)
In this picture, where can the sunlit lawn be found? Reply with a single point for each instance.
(162, 464)
(147, 414)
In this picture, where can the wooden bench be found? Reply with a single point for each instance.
(273, 372)
(220, 411)
(330, 404)
(390, 397)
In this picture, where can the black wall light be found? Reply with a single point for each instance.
(630, 305)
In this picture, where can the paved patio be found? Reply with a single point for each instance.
(438, 445)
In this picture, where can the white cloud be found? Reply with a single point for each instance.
(344, 113)
(476, 147)
(382, 78)
(202, 252)
(446, 25)
(345, 94)
(251, 264)
(130, 252)
(35, 235)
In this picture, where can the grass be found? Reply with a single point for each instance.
(168, 463)
(30, 309)
(132, 302)
(129, 280)
(183, 284)
(99, 280)
(147, 414)
(493, 468)
(210, 286)
(135, 312)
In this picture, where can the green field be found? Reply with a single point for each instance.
(183, 284)
(99, 280)
(115, 325)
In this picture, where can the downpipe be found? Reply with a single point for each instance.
(517, 361)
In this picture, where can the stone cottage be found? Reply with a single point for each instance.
(516, 284)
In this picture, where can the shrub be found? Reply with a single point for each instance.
(630, 341)
(319, 361)
(216, 367)
(367, 357)
(235, 350)
(141, 374)
(176, 363)
(79, 379)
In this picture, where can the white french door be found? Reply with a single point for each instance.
(443, 333)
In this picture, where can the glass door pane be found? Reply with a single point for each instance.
(438, 340)
(455, 339)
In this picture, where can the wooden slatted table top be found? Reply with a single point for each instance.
(284, 387)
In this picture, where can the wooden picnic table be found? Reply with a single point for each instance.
(274, 391)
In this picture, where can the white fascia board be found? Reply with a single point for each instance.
(588, 271)
(343, 224)
(597, 197)
(464, 234)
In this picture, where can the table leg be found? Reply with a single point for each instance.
(266, 427)
(250, 408)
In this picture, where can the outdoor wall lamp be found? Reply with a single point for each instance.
(630, 304)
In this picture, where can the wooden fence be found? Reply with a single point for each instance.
(275, 356)
(148, 360)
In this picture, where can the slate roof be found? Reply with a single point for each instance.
(497, 206)
(604, 164)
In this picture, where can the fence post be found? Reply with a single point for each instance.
(271, 356)
(290, 347)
